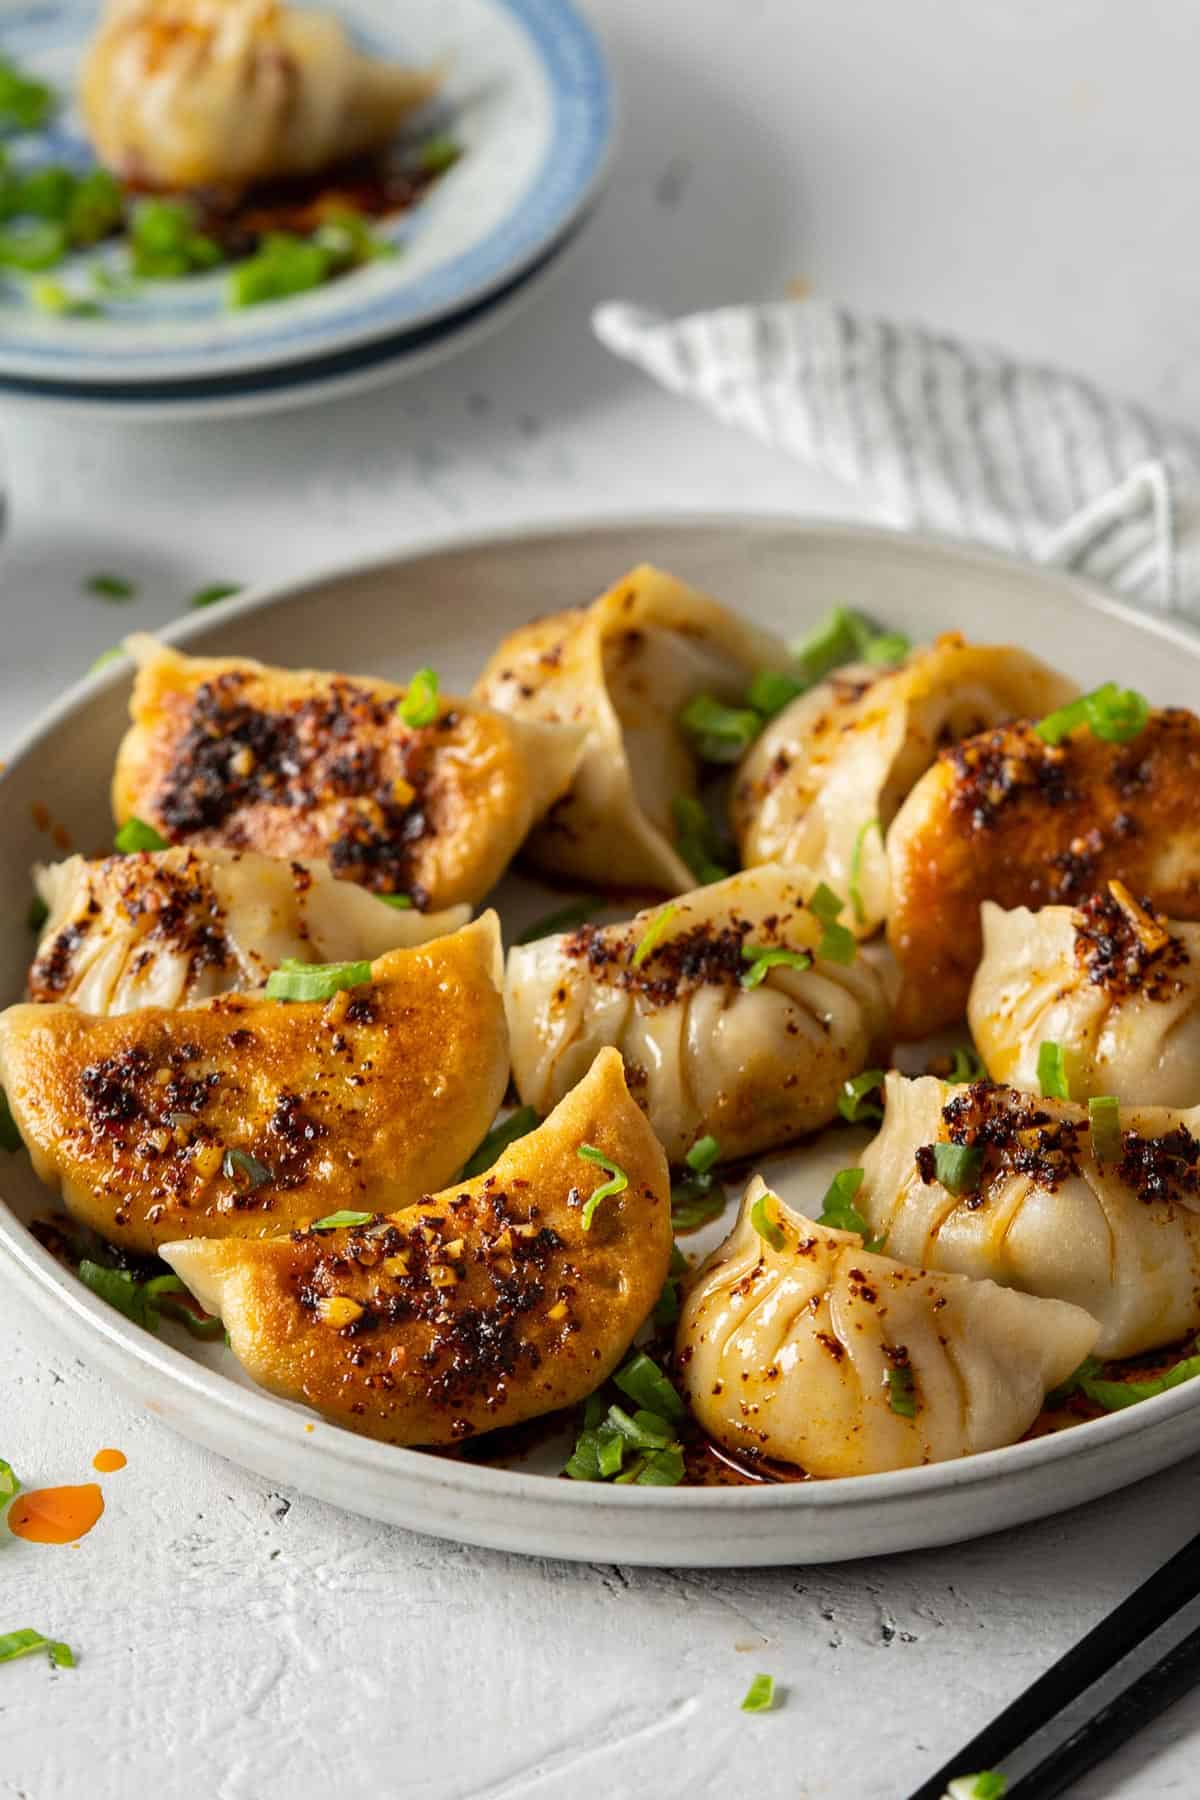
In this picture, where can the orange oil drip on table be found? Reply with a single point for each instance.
(109, 1461)
(56, 1515)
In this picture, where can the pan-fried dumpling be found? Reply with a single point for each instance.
(811, 1350)
(246, 1115)
(171, 927)
(495, 1301)
(221, 93)
(846, 754)
(704, 1054)
(1113, 983)
(624, 667)
(299, 763)
(1008, 817)
(1121, 1238)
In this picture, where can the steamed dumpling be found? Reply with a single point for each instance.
(1120, 1239)
(623, 668)
(843, 1362)
(220, 93)
(1114, 984)
(845, 755)
(704, 1054)
(299, 763)
(1008, 817)
(171, 927)
(244, 1116)
(479, 1307)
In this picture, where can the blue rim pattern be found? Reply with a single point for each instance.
(578, 81)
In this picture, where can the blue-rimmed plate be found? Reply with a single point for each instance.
(527, 98)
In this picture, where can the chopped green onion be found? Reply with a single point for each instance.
(696, 840)
(771, 691)
(26, 104)
(857, 1102)
(199, 1324)
(136, 835)
(282, 266)
(654, 933)
(768, 1229)
(53, 298)
(762, 958)
(957, 1167)
(1104, 1116)
(38, 913)
(889, 647)
(694, 1201)
(1091, 1365)
(1114, 1395)
(837, 944)
(24, 1643)
(838, 1211)
(217, 590)
(666, 1307)
(33, 246)
(838, 638)
(437, 154)
(584, 1461)
(704, 1153)
(902, 1391)
(647, 1386)
(347, 239)
(400, 902)
(165, 244)
(1112, 713)
(419, 706)
(111, 587)
(645, 1430)
(989, 1785)
(10, 1137)
(854, 887)
(341, 1221)
(718, 733)
(121, 1290)
(660, 1468)
(1052, 1071)
(294, 980)
(760, 1695)
(565, 919)
(966, 1067)
(9, 1484)
(111, 655)
(95, 208)
(617, 1185)
(236, 1164)
(517, 1125)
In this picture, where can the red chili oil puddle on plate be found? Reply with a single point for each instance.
(56, 1515)
(109, 1461)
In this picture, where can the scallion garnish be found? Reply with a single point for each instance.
(616, 1185)
(1089, 1367)
(23, 1643)
(838, 1211)
(216, 590)
(38, 913)
(294, 980)
(649, 1433)
(113, 654)
(703, 1154)
(1052, 1071)
(565, 919)
(165, 241)
(647, 1386)
(760, 1695)
(988, 1785)
(341, 1221)
(111, 587)
(25, 103)
(654, 933)
(517, 1125)
(966, 1067)
(839, 637)
(1104, 1117)
(837, 944)
(399, 902)
(902, 1391)
(719, 733)
(666, 1307)
(771, 691)
(9, 1484)
(696, 840)
(239, 1165)
(698, 1196)
(854, 886)
(33, 245)
(763, 958)
(437, 154)
(135, 835)
(957, 1167)
(658, 1468)
(888, 647)
(1112, 713)
(10, 1137)
(861, 1098)
(144, 1302)
(419, 706)
(1114, 1395)
(768, 1229)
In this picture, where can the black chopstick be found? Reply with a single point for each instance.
(1166, 1592)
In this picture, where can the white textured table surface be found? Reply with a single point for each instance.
(1019, 172)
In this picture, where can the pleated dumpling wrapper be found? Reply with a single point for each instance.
(798, 1344)
(996, 1184)
(1113, 985)
(821, 786)
(172, 927)
(245, 1115)
(728, 1026)
(1009, 817)
(502, 1298)
(300, 763)
(624, 668)
(222, 93)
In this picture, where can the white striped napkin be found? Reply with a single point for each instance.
(952, 436)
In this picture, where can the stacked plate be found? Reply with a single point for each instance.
(527, 100)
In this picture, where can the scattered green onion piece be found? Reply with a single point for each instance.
(644, 1430)
(666, 1307)
(762, 958)
(838, 638)
(1104, 1116)
(23, 1643)
(9, 1484)
(888, 647)
(165, 244)
(1114, 714)
(837, 944)
(838, 1211)
(661, 1468)
(771, 691)
(1060, 724)
(517, 1125)
(584, 1462)
(760, 1695)
(988, 1785)
(1052, 1071)
(121, 1290)
(400, 902)
(1090, 1366)
(33, 246)
(347, 239)
(239, 1164)
(696, 840)
(855, 1102)
(111, 655)
(1113, 1396)
(95, 208)
(702, 1156)
(136, 835)
(341, 1221)
(419, 706)
(854, 887)
(957, 1167)
(202, 1325)
(437, 154)
(617, 1185)
(53, 298)
(610, 1453)
(565, 919)
(111, 587)
(647, 1386)
(282, 266)
(10, 1137)
(26, 104)
(294, 980)
(38, 913)
(653, 934)
(902, 1391)
(768, 1229)
(694, 1201)
(966, 1067)
(719, 733)
(216, 591)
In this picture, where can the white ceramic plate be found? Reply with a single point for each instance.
(446, 606)
(528, 99)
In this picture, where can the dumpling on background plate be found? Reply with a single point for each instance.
(1009, 817)
(821, 786)
(500, 1299)
(797, 1344)
(624, 668)
(731, 1021)
(996, 1184)
(250, 1114)
(1112, 985)
(222, 93)
(229, 752)
(171, 927)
